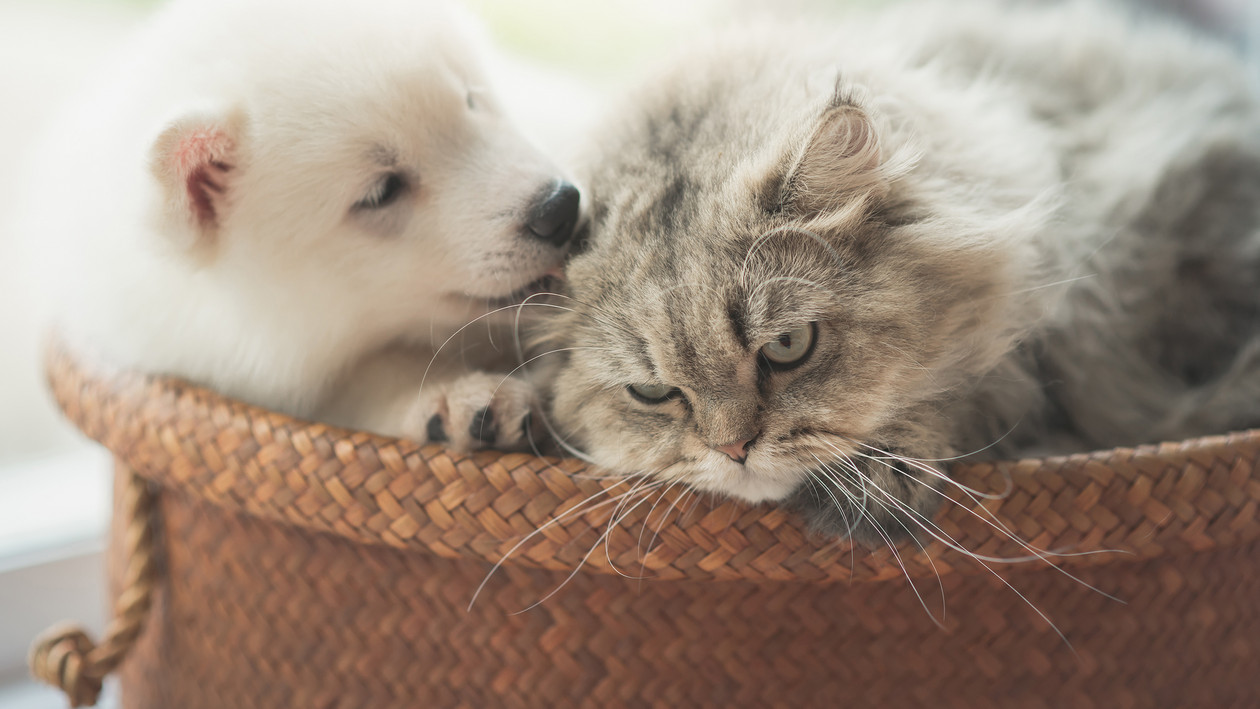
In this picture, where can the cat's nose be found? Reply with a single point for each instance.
(736, 450)
(552, 217)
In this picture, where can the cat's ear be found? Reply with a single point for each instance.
(837, 168)
(194, 160)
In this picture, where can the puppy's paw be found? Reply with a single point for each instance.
(479, 410)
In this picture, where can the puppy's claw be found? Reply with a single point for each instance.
(477, 410)
(435, 429)
(482, 428)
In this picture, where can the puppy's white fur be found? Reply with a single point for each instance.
(199, 206)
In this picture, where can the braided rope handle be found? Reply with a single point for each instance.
(64, 656)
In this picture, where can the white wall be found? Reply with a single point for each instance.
(45, 50)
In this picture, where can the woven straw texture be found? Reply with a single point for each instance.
(300, 565)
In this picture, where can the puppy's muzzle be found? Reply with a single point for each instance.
(554, 214)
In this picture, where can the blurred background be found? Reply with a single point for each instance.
(54, 485)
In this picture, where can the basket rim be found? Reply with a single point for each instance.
(1138, 502)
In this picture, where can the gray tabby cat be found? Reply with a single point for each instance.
(820, 267)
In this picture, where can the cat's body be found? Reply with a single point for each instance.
(959, 230)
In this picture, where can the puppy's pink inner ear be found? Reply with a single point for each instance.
(201, 157)
(194, 160)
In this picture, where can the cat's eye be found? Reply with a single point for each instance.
(791, 348)
(653, 393)
(384, 193)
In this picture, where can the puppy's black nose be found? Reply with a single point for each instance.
(554, 215)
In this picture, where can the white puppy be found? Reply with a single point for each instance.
(296, 203)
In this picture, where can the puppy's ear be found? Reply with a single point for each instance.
(194, 160)
(839, 167)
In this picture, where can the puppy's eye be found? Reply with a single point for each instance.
(653, 393)
(471, 99)
(791, 348)
(384, 193)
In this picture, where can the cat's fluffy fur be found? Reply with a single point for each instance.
(1016, 229)
(296, 202)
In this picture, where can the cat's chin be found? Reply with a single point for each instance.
(746, 483)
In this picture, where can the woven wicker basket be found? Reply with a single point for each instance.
(260, 561)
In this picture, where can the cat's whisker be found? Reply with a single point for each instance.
(490, 330)
(520, 309)
(993, 520)
(537, 451)
(823, 479)
(615, 520)
(942, 536)
(838, 479)
(824, 476)
(1063, 282)
(919, 365)
(578, 567)
(647, 483)
(526, 363)
(533, 444)
(1036, 554)
(839, 507)
(953, 544)
(424, 377)
(575, 509)
(597, 475)
(923, 467)
(960, 456)
(786, 229)
(562, 441)
(639, 543)
(932, 529)
(860, 508)
(661, 525)
(896, 554)
(695, 502)
(607, 319)
(687, 284)
(815, 482)
(783, 279)
(921, 464)
(857, 473)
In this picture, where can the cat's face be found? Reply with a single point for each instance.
(755, 314)
(737, 364)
